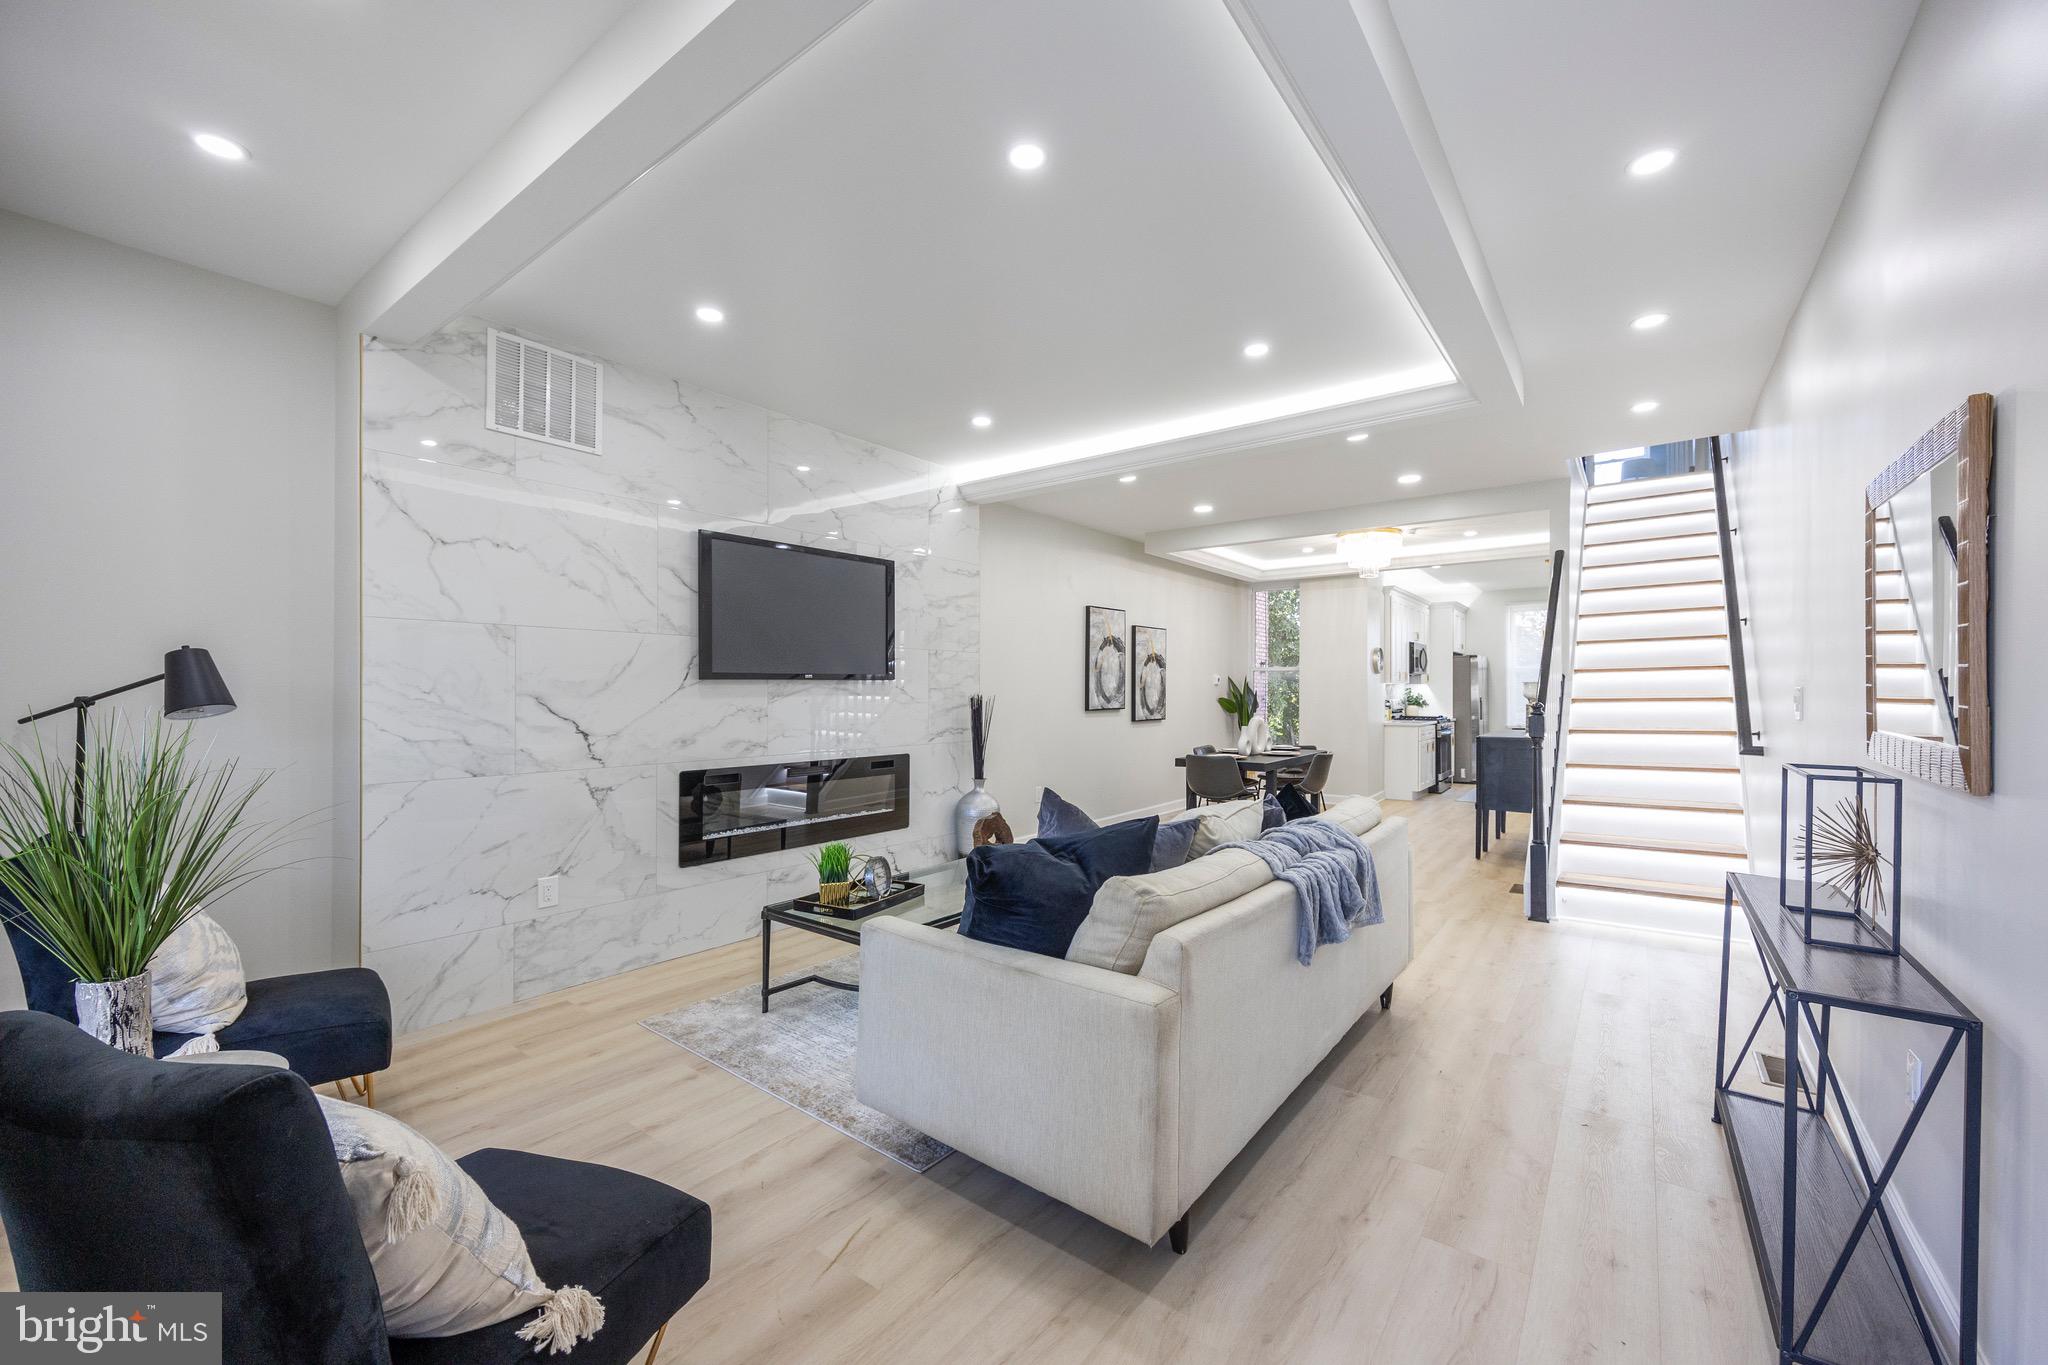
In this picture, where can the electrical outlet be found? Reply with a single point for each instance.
(1217, 681)
(550, 891)
(1799, 703)
(1915, 1079)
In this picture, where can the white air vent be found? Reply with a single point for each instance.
(544, 393)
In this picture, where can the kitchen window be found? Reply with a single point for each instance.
(1276, 658)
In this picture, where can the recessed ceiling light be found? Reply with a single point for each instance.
(1470, 534)
(1357, 436)
(981, 421)
(1647, 405)
(1027, 156)
(1409, 478)
(1256, 350)
(675, 502)
(1308, 549)
(1650, 321)
(1127, 478)
(922, 550)
(1649, 163)
(1203, 509)
(710, 314)
(226, 148)
(429, 441)
(803, 469)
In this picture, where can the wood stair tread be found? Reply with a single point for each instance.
(1602, 701)
(1641, 563)
(1649, 516)
(1702, 848)
(1591, 501)
(1651, 587)
(1908, 701)
(1666, 611)
(1657, 639)
(1635, 730)
(1686, 668)
(1640, 887)
(1657, 767)
(1644, 540)
(1657, 803)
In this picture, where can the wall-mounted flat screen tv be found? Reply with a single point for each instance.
(774, 609)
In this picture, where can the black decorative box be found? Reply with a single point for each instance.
(1841, 905)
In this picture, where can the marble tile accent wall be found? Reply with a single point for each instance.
(530, 684)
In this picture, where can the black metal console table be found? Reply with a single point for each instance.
(1838, 1295)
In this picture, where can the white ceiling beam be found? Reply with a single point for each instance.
(668, 70)
(1543, 494)
(1414, 405)
(1342, 68)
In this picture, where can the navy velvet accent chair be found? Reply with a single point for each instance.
(330, 1026)
(123, 1174)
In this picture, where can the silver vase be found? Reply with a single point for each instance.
(117, 1013)
(974, 807)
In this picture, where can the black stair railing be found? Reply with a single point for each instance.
(1539, 833)
(1748, 740)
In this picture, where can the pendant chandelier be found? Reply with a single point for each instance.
(1370, 551)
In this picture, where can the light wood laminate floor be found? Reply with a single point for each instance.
(1514, 1164)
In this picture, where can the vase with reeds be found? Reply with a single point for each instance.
(160, 834)
(977, 805)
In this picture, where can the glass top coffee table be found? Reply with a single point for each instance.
(945, 889)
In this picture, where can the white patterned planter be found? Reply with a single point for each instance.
(117, 1013)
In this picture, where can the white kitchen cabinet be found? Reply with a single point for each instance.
(1410, 759)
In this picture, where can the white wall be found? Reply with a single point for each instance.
(530, 678)
(170, 439)
(1486, 632)
(1038, 577)
(1933, 286)
(1343, 702)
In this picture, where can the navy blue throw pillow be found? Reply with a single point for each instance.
(1034, 895)
(1058, 816)
(1271, 815)
(1294, 802)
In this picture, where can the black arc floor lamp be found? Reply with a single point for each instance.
(193, 690)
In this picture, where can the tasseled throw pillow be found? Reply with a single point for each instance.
(446, 1260)
(196, 983)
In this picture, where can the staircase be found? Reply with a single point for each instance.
(1651, 818)
(1906, 703)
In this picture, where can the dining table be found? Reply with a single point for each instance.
(1280, 758)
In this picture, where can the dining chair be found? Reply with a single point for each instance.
(1216, 777)
(1311, 780)
(1203, 749)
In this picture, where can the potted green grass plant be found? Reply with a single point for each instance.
(834, 862)
(164, 834)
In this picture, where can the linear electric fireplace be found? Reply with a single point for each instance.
(737, 812)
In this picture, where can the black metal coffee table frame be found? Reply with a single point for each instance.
(845, 932)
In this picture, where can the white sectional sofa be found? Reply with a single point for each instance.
(1125, 1092)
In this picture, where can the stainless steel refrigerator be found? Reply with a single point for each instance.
(1468, 714)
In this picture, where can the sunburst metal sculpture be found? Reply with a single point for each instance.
(1842, 850)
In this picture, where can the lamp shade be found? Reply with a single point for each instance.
(193, 688)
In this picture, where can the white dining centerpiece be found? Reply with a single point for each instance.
(103, 866)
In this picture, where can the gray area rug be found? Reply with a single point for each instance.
(801, 1052)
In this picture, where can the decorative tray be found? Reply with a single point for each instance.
(860, 907)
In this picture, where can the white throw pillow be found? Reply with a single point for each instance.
(195, 979)
(446, 1260)
(1227, 823)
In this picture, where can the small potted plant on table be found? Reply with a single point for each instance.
(834, 862)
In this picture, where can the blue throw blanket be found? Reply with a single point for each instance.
(1331, 871)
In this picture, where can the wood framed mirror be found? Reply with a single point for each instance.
(1927, 605)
